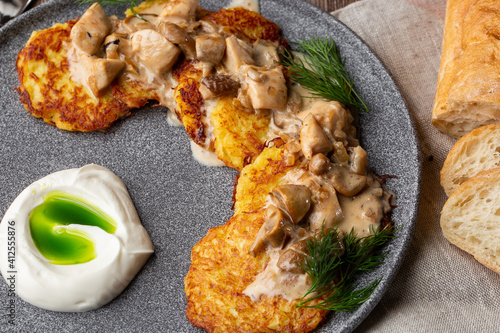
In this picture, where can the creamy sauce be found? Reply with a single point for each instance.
(204, 156)
(273, 281)
(118, 255)
(248, 4)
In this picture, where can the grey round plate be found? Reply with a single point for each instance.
(178, 199)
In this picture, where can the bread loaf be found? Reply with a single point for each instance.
(470, 219)
(473, 153)
(468, 91)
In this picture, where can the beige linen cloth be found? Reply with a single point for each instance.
(439, 288)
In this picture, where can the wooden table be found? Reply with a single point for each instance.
(331, 5)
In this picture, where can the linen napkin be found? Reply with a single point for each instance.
(439, 288)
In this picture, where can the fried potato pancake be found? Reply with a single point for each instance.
(189, 102)
(245, 23)
(239, 135)
(221, 267)
(48, 92)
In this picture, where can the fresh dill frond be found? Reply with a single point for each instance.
(322, 71)
(332, 274)
(132, 4)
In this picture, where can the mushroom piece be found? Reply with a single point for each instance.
(91, 29)
(346, 182)
(326, 211)
(266, 87)
(318, 164)
(217, 85)
(112, 45)
(99, 73)
(210, 48)
(294, 199)
(176, 35)
(154, 51)
(236, 55)
(359, 160)
(313, 139)
(291, 259)
(273, 232)
(331, 116)
(340, 155)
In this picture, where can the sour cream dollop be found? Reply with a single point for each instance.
(119, 255)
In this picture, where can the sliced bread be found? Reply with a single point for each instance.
(470, 219)
(473, 153)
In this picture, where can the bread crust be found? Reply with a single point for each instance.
(473, 153)
(470, 218)
(468, 90)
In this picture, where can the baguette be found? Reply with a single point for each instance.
(468, 90)
(470, 218)
(473, 153)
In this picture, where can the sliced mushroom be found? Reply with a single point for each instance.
(266, 87)
(359, 160)
(236, 55)
(331, 116)
(176, 35)
(325, 210)
(273, 232)
(313, 139)
(154, 51)
(318, 164)
(294, 199)
(112, 45)
(99, 73)
(291, 259)
(91, 29)
(345, 181)
(217, 85)
(210, 48)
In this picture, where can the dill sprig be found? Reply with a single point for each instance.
(322, 72)
(132, 3)
(332, 275)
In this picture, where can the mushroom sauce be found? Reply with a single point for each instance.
(332, 187)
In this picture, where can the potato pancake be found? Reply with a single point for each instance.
(221, 267)
(239, 135)
(48, 92)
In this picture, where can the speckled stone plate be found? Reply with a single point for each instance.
(178, 199)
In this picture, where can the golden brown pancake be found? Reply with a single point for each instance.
(221, 267)
(48, 92)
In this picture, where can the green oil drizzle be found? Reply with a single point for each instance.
(61, 245)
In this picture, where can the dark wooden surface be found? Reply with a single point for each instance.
(331, 5)
(328, 5)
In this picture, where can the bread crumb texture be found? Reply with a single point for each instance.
(473, 153)
(470, 219)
